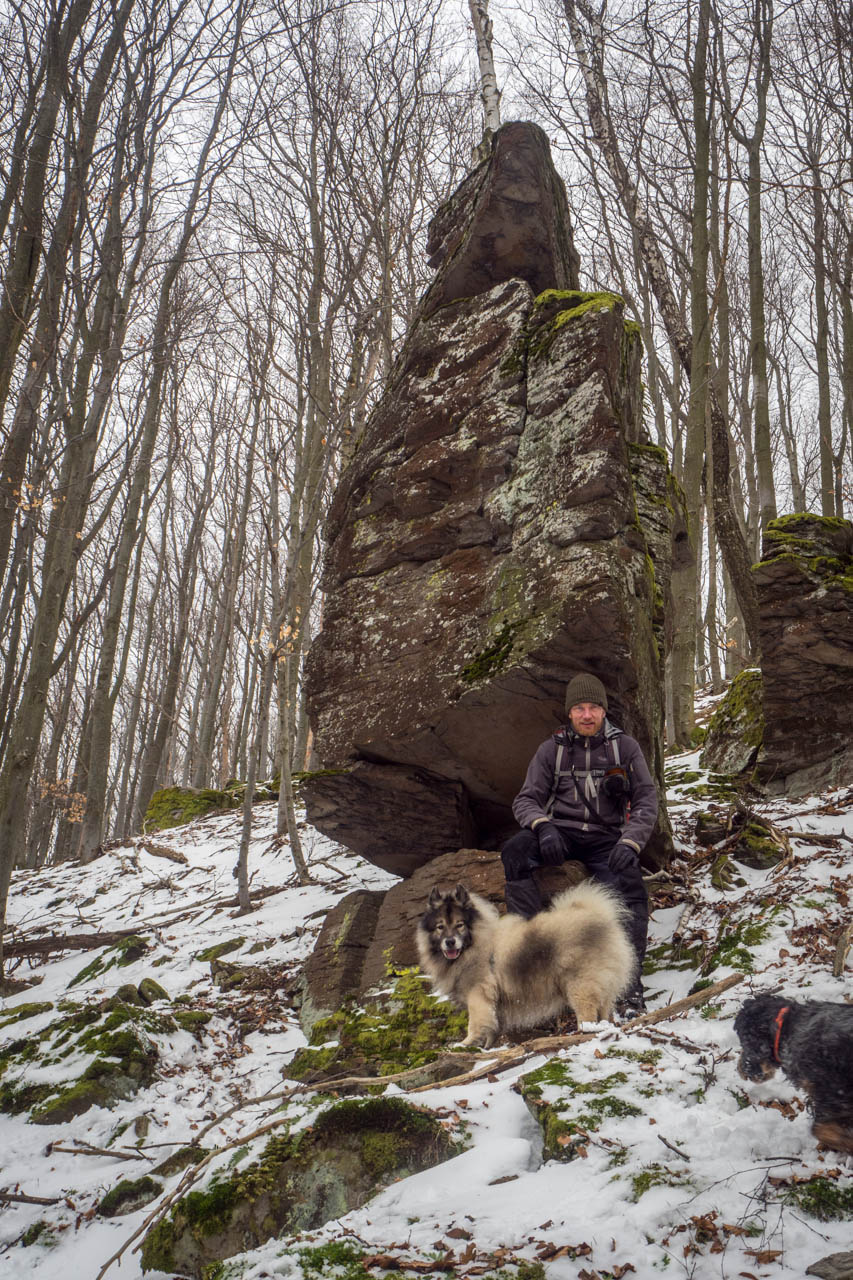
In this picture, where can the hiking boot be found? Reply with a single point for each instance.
(632, 1004)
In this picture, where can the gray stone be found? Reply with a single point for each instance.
(736, 729)
(835, 1266)
(804, 582)
(333, 971)
(300, 1182)
(507, 221)
(484, 545)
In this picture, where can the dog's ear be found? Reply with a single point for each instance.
(460, 896)
(435, 897)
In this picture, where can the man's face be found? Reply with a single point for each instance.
(587, 718)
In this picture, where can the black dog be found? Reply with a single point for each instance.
(813, 1044)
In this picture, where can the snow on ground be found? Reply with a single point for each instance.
(693, 1174)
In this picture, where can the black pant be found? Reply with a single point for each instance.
(520, 855)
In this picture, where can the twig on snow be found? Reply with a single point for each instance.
(17, 1197)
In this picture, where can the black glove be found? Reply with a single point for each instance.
(623, 857)
(551, 848)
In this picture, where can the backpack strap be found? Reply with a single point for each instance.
(558, 760)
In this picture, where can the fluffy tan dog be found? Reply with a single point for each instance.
(512, 973)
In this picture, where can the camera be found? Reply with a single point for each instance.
(615, 784)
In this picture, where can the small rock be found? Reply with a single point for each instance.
(710, 828)
(128, 1196)
(149, 991)
(835, 1266)
(128, 994)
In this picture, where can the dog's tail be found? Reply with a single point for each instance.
(590, 896)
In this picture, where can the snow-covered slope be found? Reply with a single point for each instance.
(687, 1171)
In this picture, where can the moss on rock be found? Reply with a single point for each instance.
(299, 1182)
(106, 1052)
(128, 1196)
(23, 1011)
(392, 1031)
(551, 1093)
(736, 729)
(124, 952)
(150, 991)
(220, 949)
(176, 806)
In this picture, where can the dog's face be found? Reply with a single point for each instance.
(756, 1029)
(448, 922)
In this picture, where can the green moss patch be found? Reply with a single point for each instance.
(810, 537)
(757, 848)
(127, 1196)
(392, 1031)
(735, 946)
(657, 1175)
(125, 952)
(736, 729)
(176, 806)
(300, 1181)
(192, 1020)
(107, 1051)
(568, 1110)
(556, 308)
(23, 1011)
(220, 949)
(821, 1198)
(41, 1233)
(493, 658)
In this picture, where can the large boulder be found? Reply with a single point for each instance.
(487, 541)
(332, 973)
(300, 1181)
(507, 221)
(736, 729)
(804, 582)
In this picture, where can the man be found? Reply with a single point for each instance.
(588, 795)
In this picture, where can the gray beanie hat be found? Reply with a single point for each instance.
(585, 688)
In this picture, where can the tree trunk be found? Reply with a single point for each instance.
(489, 93)
(132, 529)
(732, 542)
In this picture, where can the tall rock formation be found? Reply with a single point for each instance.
(804, 582)
(501, 527)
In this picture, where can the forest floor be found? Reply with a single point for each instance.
(685, 1169)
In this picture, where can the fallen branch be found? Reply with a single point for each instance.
(86, 1149)
(683, 1155)
(65, 942)
(841, 948)
(162, 851)
(14, 1197)
(678, 932)
(506, 1058)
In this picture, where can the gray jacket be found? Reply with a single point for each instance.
(582, 766)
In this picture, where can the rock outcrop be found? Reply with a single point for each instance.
(502, 525)
(300, 1181)
(736, 729)
(805, 597)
